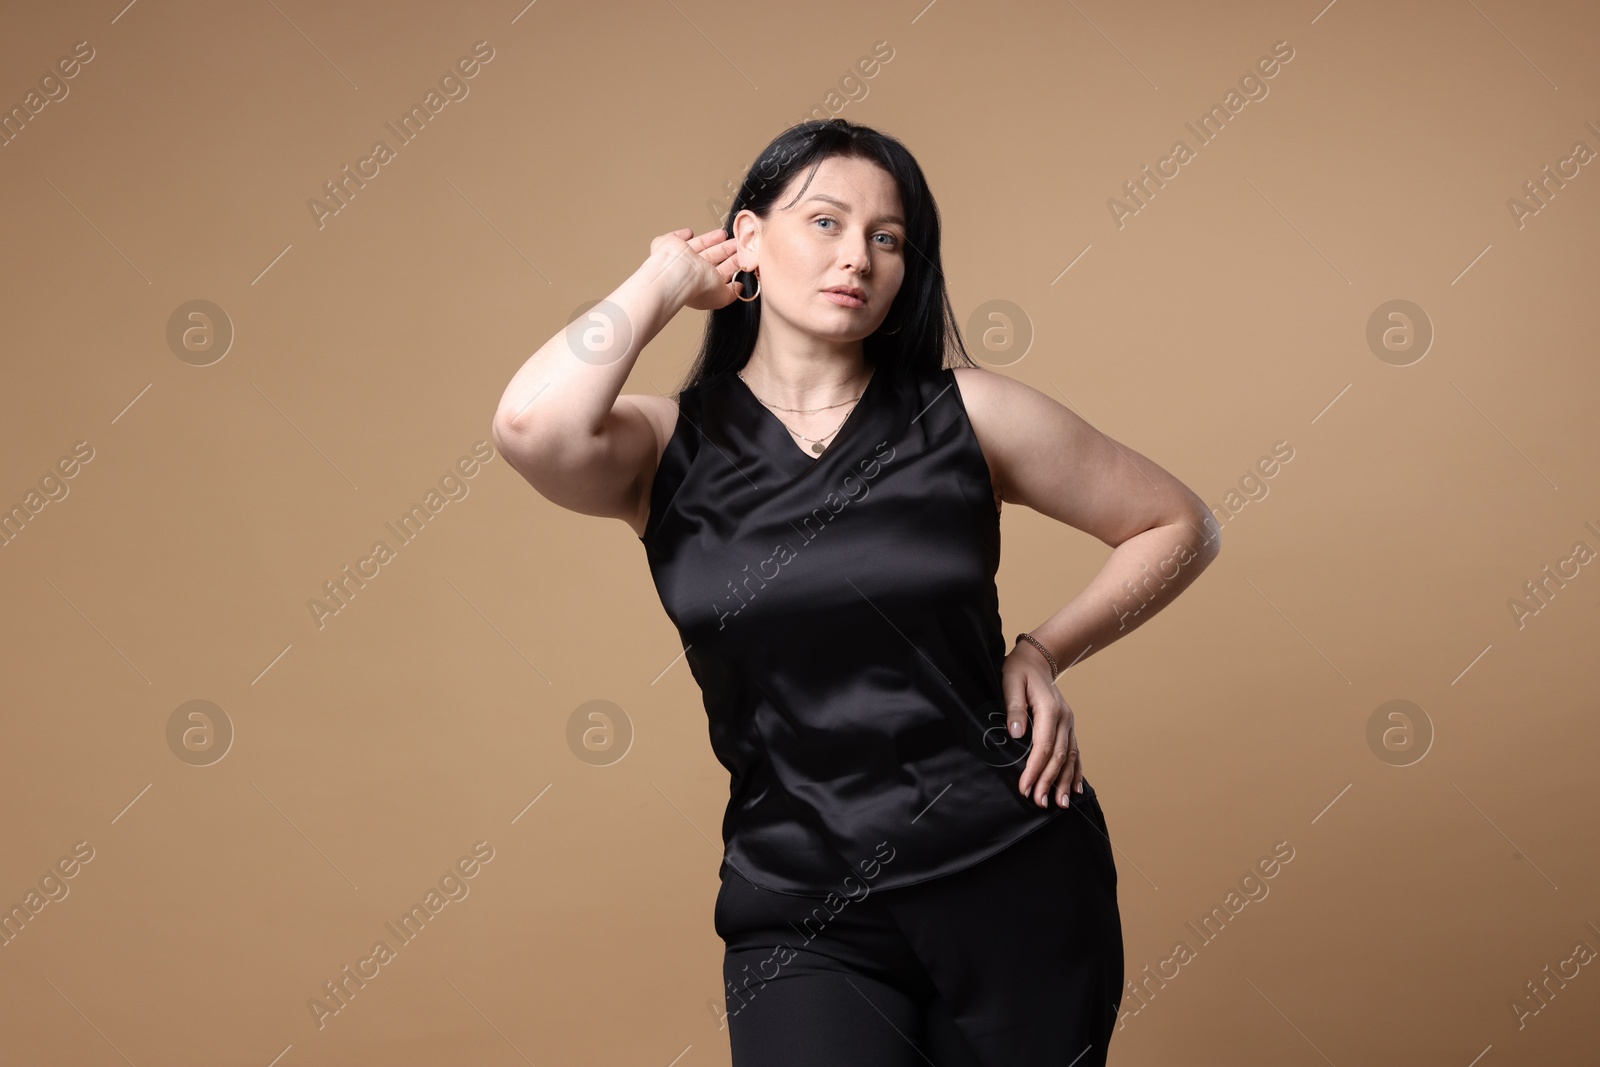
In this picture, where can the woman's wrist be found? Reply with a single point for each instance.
(1048, 657)
(647, 299)
(667, 279)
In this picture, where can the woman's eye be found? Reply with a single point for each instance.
(891, 242)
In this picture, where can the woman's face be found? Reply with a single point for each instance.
(847, 229)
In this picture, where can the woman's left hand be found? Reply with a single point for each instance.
(1053, 761)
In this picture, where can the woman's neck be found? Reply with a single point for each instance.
(806, 381)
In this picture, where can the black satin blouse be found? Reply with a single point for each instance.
(840, 615)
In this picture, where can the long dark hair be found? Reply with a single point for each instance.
(921, 326)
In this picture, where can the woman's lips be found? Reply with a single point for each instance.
(845, 300)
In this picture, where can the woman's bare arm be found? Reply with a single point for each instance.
(1044, 456)
(562, 423)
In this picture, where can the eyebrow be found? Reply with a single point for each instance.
(846, 207)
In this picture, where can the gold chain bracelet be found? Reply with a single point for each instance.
(1055, 671)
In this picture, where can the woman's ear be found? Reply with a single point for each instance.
(747, 236)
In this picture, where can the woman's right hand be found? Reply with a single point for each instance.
(702, 268)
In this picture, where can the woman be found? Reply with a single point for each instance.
(915, 869)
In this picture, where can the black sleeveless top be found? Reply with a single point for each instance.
(840, 615)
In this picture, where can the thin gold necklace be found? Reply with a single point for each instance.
(817, 445)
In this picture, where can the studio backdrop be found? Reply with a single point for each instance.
(327, 740)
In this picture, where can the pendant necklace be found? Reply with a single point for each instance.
(817, 445)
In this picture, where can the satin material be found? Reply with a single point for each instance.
(840, 616)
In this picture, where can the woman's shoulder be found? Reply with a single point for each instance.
(987, 388)
(1003, 405)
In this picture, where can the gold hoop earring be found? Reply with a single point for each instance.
(753, 295)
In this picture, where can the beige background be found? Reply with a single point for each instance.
(371, 753)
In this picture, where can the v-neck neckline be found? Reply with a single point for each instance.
(772, 421)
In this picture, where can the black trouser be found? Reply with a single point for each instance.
(1014, 960)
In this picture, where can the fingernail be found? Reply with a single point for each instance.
(1080, 787)
(1016, 729)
